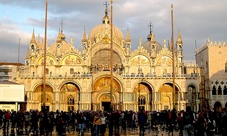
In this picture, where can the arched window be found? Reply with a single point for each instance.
(71, 71)
(47, 71)
(225, 90)
(225, 67)
(142, 100)
(214, 91)
(71, 100)
(219, 90)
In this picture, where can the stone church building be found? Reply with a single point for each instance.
(142, 78)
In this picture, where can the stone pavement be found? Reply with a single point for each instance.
(128, 133)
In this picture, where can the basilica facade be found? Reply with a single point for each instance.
(82, 80)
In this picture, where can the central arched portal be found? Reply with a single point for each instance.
(143, 93)
(103, 97)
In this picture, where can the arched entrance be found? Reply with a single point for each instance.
(69, 97)
(166, 96)
(102, 92)
(43, 96)
(105, 100)
(192, 97)
(143, 93)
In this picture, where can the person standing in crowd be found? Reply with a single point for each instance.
(13, 120)
(6, 119)
(133, 121)
(103, 125)
(81, 121)
(51, 123)
(188, 118)
(110, 122)
(142, 119)
(201, 125)
(91, 118)
(34, 121)
(97, 122)
(180, 124)
(20, 123)
(27, 118)
(116, 121)
(60, 123)
(224, 123)
(149, 118)
(123, 121)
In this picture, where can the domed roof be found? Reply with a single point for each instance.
(151, 40)
(146, 45)
(103, 31)
(63, 47)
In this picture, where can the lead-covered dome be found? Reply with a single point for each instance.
(151, 41)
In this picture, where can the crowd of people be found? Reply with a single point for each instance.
(187, 123)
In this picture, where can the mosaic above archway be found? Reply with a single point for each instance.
(40, 88)
(49, 61)
(69, 87)
(103, 84)
(71, 60)
(141, 88)
(164, 61)
(140, 60)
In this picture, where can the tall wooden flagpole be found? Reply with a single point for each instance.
(111, 54)
(173, 54)
(44, 64)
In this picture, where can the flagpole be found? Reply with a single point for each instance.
(44, 65)
(173, 54)
(111, 54)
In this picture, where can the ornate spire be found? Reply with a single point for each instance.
(150, 25)
(84, 36)
(128, 39)
(105, 19)
(61, 36)
(179, 40)
(61, 25)
(38, 42)
(33, 37)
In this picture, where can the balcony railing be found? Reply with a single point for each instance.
(159, 76)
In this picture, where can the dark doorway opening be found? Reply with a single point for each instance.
(141, 108)
(106, 106)
(46, 108)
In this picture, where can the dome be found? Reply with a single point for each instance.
(151, 41)
(147, 46)
(103, 30)
(63, 46)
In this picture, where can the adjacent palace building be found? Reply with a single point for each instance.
(140, 79)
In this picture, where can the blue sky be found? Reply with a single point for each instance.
(196, 19)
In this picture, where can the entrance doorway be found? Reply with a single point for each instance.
(141, 108)
(106, 106)
(46, 108)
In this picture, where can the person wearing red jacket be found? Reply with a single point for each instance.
(6, 119)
